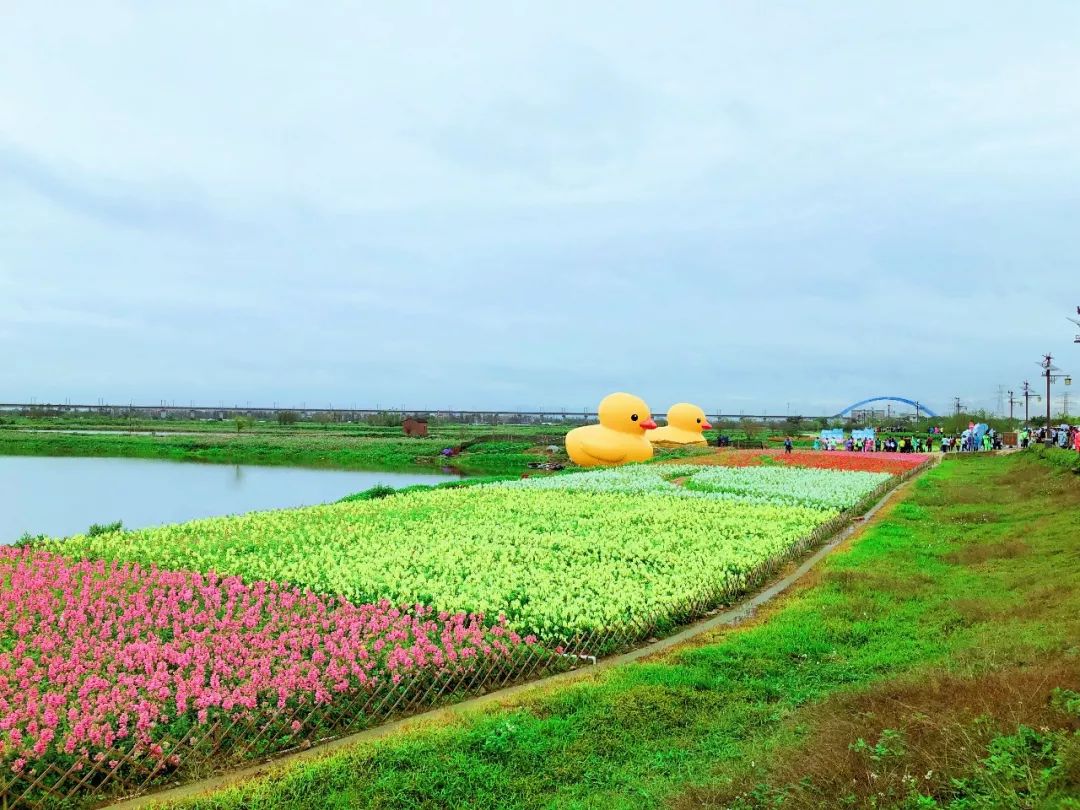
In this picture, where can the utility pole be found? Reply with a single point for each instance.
(1047, 360)
(1049, 368)
(956, 405)
(1011, 403)
(1048, 365)
(1026, 391)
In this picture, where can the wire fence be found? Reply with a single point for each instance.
(194, 751)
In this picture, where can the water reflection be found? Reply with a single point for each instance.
(62, 496)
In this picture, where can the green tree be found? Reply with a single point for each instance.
(325, 418)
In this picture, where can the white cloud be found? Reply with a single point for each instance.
(483, 204)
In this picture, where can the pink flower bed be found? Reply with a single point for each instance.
(96, 654)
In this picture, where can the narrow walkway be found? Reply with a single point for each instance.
(730, 617)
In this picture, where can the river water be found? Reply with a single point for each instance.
(62, 496)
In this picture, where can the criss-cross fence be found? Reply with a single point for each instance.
(241, 738)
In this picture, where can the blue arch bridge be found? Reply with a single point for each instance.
(918, 406)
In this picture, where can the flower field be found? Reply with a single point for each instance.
(584, 551)
(775, 485)
(128, 654)
(553, 562)
(799, 486)
(101, 653)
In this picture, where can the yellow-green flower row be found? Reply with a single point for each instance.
(551, 561)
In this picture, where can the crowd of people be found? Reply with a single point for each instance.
(1064, 436)
(869, 444)
(975, 438)
(971, 441)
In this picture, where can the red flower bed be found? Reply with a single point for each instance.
(894, 463)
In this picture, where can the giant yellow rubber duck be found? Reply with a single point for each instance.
(684, 425)
(620, 436)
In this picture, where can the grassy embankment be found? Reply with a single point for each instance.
(507, 453)
(504, 450)
(1065, 459)
(935, 662)
(370, 429)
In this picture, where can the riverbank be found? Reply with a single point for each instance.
(439, 429)
(932, 663)
(507, 453)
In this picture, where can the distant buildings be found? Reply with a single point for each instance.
(868, 415)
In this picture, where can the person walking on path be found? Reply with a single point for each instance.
(787, 444)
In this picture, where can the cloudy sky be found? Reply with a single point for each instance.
(751, 206)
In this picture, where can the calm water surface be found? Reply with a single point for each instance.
(62, 496)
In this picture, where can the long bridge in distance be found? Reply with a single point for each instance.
(170, 410)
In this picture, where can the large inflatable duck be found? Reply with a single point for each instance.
(684, 425)
(620, 436)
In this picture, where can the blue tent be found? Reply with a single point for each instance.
(980, 431)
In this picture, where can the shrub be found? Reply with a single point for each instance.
(97, 529)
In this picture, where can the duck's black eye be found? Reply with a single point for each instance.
(699, 421)
(633, 417)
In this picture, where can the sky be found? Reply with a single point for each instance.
(781, 207)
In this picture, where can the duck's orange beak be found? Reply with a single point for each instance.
(647, 424)
(706, 426)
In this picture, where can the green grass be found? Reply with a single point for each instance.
(1066, 459)
(292, 448)
(383, 491)
(954, 618)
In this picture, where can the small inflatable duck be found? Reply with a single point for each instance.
(620, 436)
(684, 425)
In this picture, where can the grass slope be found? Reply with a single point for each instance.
(934, 663)
(298, 448)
